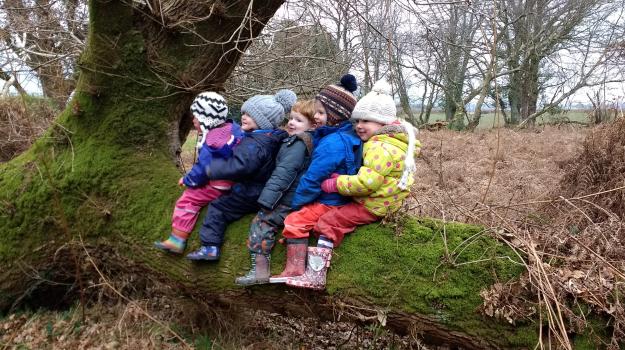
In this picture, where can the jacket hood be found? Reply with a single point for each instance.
(397, 135)
(394, 134)
(306, 137)
(267, 136)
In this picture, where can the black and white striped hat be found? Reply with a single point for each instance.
(210, 109)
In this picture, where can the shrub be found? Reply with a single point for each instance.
(22, 120)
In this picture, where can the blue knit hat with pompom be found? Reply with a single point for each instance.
(269, 111)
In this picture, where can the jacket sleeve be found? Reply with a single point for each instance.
(283, 175)
(325, 161)
(377, 164)
(245, 160)
(196, 177)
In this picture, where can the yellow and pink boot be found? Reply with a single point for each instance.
(317, 266)
(316, 270)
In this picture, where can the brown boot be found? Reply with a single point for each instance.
(316, 270)
(295, 261)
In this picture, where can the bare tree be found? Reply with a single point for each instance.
(44, 37)
(290, 54)
(549, 32)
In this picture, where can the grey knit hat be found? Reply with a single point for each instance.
(269, 111)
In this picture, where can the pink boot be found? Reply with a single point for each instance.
(295, 262)
(316, 270)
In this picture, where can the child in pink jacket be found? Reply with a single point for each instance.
(219, 136)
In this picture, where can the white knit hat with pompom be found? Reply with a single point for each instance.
(377, 106)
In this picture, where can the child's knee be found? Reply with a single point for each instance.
(295, 231)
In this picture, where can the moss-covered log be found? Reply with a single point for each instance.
(105, 174)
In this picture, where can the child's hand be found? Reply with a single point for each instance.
(181, 182)
(329, 185)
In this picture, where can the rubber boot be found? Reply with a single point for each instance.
(176, 243)
(259, 273)
(295, 261)
(316, 270)
(206, 252)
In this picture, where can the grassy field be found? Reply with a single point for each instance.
(490, 120)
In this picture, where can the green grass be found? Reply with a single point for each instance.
(189, 144)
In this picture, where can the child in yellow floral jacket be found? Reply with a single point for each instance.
(378, 188)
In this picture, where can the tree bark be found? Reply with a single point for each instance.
(530, 86)
(11, 80)
(474, 121)
(106, 168)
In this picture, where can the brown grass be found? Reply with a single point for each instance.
(21, 124)
(461, 173)
(555, 195)
(599, 168)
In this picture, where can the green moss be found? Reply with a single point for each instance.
(597, 331)
(113, 193)
(412, 272)
(101, 189)
(110, 169)
(407, 272)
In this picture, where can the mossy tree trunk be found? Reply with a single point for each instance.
(104, 177)
(107, 166)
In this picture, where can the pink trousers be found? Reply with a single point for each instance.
(188, 206)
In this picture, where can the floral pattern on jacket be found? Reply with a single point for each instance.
(375, 184)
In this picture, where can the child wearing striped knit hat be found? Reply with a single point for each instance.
(379, 187)
(218, 137)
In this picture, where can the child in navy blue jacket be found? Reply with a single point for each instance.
(250, 166)
(292, 160)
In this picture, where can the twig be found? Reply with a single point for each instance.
(110, 286)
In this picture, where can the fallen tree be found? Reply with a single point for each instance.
(102, 182)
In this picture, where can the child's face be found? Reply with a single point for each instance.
(365, 129)
(247, 123)
(196, 124)
(297, 124)
(321, 118)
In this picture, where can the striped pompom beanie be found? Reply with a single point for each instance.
(211, 110)
(338, 100)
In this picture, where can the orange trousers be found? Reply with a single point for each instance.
(333, 222)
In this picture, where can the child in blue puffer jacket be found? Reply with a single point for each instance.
(219, 136)
(337, 149)
(250, 166)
